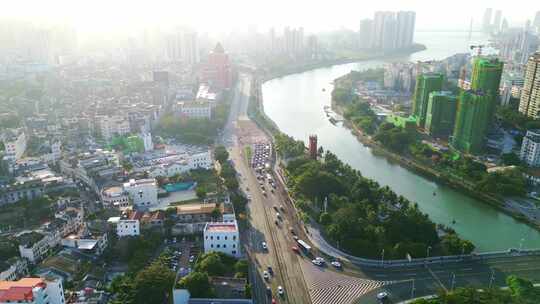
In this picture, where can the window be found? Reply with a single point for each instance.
(233, 252)
(206, 237)
(224, 245)
(218, 246)
(211, 237)
(225, 238)
(234, 238)
(217, 237)
(211, 245)
(233, 245)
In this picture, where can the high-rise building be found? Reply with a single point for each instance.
(529, 103)
(441, 113)
(486, 21)
(530, 148)
(405, 29)
(472, 121)
(366, 34)
(486, 77)
(425, 84)
(536, 22)
(183, 46)
(389, 30)
(496, 27)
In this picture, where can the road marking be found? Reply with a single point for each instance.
(466, 269)
(437, 279)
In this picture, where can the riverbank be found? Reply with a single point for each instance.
(431, 173)
(278, 72)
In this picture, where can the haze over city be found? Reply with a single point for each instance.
(291, 152)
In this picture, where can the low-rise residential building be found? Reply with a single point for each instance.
(192, 218)
(34, 246)
(13, 269)
(110, 126)
(128, 224)
(32, 291)
(180, 165)
(142, 192)
(17, 191)
(194, 109)
(115, 197)
(222, 237)
(530, 148)
(15, 144)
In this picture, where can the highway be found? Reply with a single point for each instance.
(306, 283)
(261, 227)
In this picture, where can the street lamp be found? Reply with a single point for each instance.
(382, 256)
(492, 278)
(412, 289)
(453, 281)
(521, 244)
(427, 253)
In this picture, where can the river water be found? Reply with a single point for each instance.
(295, 103)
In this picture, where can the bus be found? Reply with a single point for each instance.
(305, 247)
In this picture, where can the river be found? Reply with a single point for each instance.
(295, 103)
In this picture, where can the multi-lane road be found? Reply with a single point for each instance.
(306, 283)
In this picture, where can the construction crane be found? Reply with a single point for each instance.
(420, 64)
(478, 49)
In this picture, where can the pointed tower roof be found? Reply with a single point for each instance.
(219, 48)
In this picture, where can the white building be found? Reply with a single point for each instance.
(13, 269)
(15, 144)
(32, 291)
(112, 126)
(194, 109)
(222, 237)
(142, 192)
(34, 246)
(530, 148)
(189, 162)
(56, 153)
(115, 197)
(128, 224)
(147, 140)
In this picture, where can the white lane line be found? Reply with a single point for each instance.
(466, 269)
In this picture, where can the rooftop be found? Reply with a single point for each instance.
(15, 291)
(221, 227)
(30, 238)
(195, 208)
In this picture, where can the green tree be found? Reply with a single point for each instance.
(201, 192)
(325, 218)
(221, 154)
(153, 284)
(198, 285)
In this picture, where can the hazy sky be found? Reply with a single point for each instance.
(224, 15)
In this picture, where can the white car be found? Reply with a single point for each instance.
(264, 246)
(316, 262)
(280, 290)
(320, 260)
(336, 264)
(192, 259)
(383, 295)
(266, 275)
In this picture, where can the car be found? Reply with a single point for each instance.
(381, 296)
(264, 193)
(317, 262)
(295, 249)
(320, 260)
(274, 301)
(270, 270)
(280, 290)
(336, 264)
(281, 207)
(276, 222)
(275, 208)
(292, 231)
(272, 190)
(192, 259)
(268, 291)
(264, 246)
(266, 276)
(278, 215)
(295, 237)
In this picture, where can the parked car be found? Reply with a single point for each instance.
(280, 290)
(295, 249)
(266, 276)
(264, 246)
(270, 270)
(382, 296)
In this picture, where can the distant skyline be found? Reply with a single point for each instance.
(100, 16)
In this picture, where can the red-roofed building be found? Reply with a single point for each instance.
(32, 290)
(222, 237)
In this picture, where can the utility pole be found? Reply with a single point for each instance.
(382, 257)
(521, 244)
(453, 281)
(412, 289)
